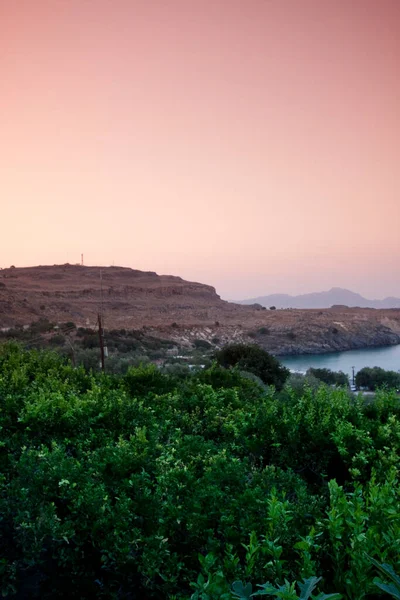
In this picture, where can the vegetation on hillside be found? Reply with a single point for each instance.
(125, 348)
(153, 485)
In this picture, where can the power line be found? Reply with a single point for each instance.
(37, 339)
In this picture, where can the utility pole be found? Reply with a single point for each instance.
(73, 358)
(101, 339)
(354, 381)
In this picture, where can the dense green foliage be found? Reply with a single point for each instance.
(287, 590)
(393, 587)
(329, 377)
(153, 485)
(255, 360)
(373, 378)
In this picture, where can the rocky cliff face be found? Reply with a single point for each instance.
(129, 298)
(172, 307)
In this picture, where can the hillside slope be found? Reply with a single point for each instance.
(129, 298)
(182, 311)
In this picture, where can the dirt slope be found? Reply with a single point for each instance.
(182, 310)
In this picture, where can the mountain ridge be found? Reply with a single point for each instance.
(324, 299)
(182, 311)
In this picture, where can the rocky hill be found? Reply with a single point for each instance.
(128, 298)
(183, 311)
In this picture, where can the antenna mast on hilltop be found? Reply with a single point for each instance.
(82, 260)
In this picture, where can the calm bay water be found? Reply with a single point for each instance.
(387, 358)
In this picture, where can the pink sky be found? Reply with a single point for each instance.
(250, 144)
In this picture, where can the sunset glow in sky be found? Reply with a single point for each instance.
(250, 144)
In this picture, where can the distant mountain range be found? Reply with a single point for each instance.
(335, 296)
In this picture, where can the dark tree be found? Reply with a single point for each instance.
(254, 359)
(375, 377)
(329, 377)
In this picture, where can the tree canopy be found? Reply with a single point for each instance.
(255, 360)
(329, 377)
(373, 378)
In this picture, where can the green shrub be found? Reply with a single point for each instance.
(68, 325)
(144, 380)
(329, 377)
(90, 341)
(202, 344)
(88, 358)
(255, 360)
(112, 486)
(82, 331)
(287, 590)
(388, 572)
(41, 326)
(264, 331)
(57, 340)
(299, 383)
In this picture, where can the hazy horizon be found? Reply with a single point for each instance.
(249, 144)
